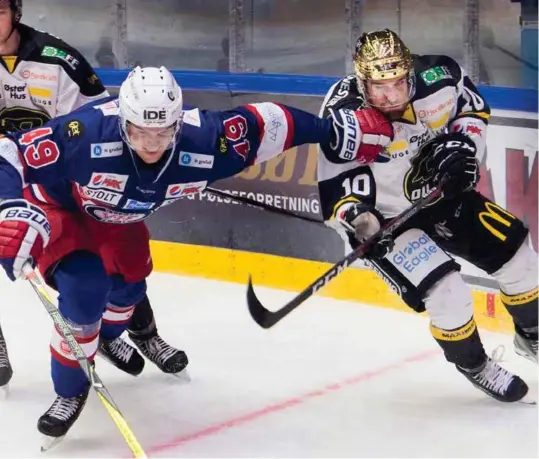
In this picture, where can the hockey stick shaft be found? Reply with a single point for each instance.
(102, 392)
(262, 205)
(526, 62)
(267, 319)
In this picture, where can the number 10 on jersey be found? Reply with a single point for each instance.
(359, 185)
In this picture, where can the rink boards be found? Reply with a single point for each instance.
(215, 238)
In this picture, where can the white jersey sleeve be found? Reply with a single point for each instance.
(472, 112)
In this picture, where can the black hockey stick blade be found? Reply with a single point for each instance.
(267, 319)
(258, 312)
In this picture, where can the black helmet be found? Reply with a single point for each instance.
(16, 6)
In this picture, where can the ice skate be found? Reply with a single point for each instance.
(525, 342)
(167, 358)
(6, 372)
(496, 381)
(59, 418)
(122, 355)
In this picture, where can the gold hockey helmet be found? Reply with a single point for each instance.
(382, 55)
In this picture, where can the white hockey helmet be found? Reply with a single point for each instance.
(150, 97)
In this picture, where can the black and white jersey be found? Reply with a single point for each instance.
(445, 100)
(46, 78)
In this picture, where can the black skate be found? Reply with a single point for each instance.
(122, 355)
(496, 381)
(59, 418)
(525, 342)
(167, 358)
(6, 372)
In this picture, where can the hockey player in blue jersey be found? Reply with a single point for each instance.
(76, 190)
(32, 61)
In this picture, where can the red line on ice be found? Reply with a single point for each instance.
(269, 409)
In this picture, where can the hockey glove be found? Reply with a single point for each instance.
(24, 232)
(359, 135)
(361, 221)
(454, 156)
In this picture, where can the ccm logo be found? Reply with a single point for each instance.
(454, 144)
(155, 114)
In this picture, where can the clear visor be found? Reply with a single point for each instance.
(390, 93)
(150, 139)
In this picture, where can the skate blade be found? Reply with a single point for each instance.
(4, 390)
(531, 358)
(50, 442)
(182, 376)
(528, 400)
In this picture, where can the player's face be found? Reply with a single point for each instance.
(389, 96)
(150, 143)
(6, 17)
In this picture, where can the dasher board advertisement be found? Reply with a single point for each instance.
(508, 176)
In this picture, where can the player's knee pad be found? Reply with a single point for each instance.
(86, 335)
(449, 302)
(450, 306)
(414, 266)
(83, 287)
(67, 376)
(518, 285)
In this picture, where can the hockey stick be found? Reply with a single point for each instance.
(102, 392)
(262, 205)
(267, 319)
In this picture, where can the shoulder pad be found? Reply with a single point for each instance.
(344, 94)
(54, 50)
(431, 69)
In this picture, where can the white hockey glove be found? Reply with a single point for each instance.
(359, 135)
(362, 221)
(24, 232)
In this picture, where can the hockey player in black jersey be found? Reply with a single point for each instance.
(440, 121)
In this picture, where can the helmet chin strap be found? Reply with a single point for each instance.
(169, 150)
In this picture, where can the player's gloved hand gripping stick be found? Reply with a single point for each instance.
(267, 319)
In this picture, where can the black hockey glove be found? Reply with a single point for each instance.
(454, 156)
(362, 221)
